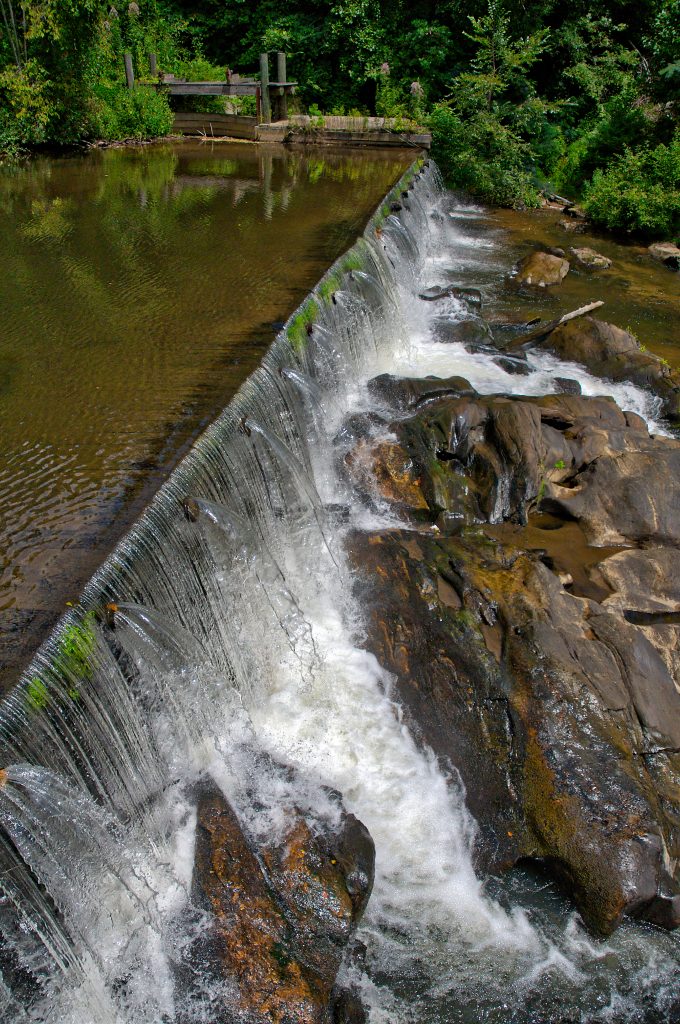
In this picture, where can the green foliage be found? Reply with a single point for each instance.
(116, 112)
(483, 156)
(639, 192)
(24, 105)
(37, 694)
(199, 69)
(72, 662)
(75, 649)
(480, 136)
(515, 92)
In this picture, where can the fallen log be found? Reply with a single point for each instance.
(545, 328)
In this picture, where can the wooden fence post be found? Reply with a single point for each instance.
(282, 105)
(153, 65)
(129, 72)
(264, 86)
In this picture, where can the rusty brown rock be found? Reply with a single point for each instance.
(384, 470)
(283, 911)
(541, 270)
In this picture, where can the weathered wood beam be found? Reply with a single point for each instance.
(264, 86)
(282, 102)
(129, 71)
(544, 329)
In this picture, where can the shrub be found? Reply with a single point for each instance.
(117, 112)
(24, 106)
(639, 192)
(482, 156)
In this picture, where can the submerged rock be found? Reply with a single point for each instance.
(470, 332)
(283, 909)
(588, 259)
(383, 470)
(574, 226)
(541, 270)
(510, 647)
(567, 386)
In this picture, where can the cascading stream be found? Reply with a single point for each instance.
(231, 643)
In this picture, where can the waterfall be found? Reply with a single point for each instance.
(222, 634)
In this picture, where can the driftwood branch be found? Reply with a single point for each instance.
(543, 329)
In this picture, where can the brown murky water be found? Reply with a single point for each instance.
(139, 288)
(639, 294)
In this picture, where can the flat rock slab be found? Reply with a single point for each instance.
(588, 259)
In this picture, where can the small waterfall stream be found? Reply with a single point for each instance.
(222, 635)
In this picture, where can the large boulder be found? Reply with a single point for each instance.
(608, 351)
(513, 646)
(283, 910)
(541, 270)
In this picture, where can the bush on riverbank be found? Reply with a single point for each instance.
(483, 157)
(639, 192)
(116, 112)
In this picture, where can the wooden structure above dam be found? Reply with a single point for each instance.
(271, 122)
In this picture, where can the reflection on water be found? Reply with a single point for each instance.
(139, 287)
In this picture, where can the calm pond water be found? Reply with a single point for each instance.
(140, 287)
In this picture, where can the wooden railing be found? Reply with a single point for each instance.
(271, 96)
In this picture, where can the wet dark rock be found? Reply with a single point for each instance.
(404, 393)
(512, 655)
(348, 1007)
(515, 364)
(471, 296)
(361, 426)
(283, 910)
(472, 331)
(567, 386)
(613, 353)
(541, 270)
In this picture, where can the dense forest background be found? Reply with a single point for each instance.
(581, 98)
